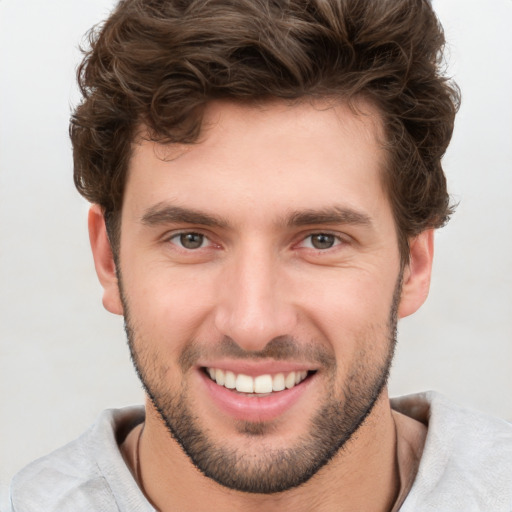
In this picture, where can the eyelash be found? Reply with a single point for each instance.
(336, 240)
(190, 233)
(205, 241)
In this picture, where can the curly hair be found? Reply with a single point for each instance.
(159, 62)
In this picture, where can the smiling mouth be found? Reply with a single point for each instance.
(260, 385)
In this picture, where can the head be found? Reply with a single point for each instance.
(269, 175)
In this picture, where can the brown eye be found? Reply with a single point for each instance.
(322, 241)
(191, 240)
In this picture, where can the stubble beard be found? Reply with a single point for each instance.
(273, 470)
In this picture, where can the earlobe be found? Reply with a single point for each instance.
(104, 260)
(416, 280)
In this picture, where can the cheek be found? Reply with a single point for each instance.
(352, 313)
(168, 307)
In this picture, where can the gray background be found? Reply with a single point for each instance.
(63, 358)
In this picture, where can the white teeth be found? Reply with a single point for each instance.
(289, 381)
(300, 376)
(219, 377)
(230, 380)
(262, 384)
(278, 382)
(244, 383)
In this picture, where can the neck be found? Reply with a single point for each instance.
(363, 475)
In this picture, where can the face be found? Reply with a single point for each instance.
(260, 279)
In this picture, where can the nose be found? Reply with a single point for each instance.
(254, 306)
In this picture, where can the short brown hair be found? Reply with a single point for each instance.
(159, 62)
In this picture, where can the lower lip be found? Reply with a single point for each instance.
(254, 408)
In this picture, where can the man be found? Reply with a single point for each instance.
(265, 179)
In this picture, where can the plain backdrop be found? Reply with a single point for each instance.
(63, 358)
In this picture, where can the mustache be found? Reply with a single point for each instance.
(281, 348)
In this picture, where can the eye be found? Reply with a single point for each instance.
(321, 241)
(190, 240)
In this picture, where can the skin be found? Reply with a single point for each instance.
(256, 278)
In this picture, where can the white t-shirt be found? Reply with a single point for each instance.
(466, 465)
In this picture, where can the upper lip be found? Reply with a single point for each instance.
(255, 368)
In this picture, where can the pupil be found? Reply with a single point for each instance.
(191, 240)
(322, 241)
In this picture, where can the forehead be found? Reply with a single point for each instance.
(274, 156)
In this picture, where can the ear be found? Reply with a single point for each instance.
(104, 260)
(416, 279)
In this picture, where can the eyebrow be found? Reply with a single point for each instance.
(163, 213)
(333, 215)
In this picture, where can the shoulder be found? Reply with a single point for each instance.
(86, 474)
(467, 458)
